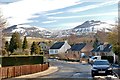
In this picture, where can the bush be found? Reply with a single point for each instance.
(21, 52)
(119, 59)
(21, 60)
(109, 58)
(72, 60)
(3, 52)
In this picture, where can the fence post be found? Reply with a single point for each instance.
(7, 72)
(0, 73)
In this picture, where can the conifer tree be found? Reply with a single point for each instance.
(15, 42)
(95, 44)
(32, 48)
(25, 44)
(41, 50)
(35, 48)
(7, 46)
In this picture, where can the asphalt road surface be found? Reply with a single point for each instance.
(73, 70)
(70, 70)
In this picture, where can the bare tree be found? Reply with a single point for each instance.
(3, 23)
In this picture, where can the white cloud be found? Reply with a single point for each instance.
(98, 0)
(46, 22)
(22, 10)
(54, 13)
(74, 10)
(91, 15)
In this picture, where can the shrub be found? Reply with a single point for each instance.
(3, 52)
(21, 52)
(109, 58)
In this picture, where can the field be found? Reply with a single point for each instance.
(31, 39)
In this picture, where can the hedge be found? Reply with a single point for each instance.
(109, 58)
(21, 60)
(72, 60)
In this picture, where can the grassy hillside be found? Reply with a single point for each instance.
(30, 40)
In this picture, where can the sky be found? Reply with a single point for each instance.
(58, 14)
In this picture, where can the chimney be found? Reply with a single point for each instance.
(102, 46)
(66, 41)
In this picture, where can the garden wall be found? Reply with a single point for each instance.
(13, 71)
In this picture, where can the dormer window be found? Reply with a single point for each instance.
(101, 47)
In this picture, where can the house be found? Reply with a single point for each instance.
(44, 47)
(102, 50)
(78, 49)
(88, 47)
(75, 51)
(59, 48)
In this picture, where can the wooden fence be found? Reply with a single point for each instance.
(13, 71)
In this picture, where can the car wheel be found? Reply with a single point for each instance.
(93, 75)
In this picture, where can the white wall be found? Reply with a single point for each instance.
(64, 48)
(53, 51)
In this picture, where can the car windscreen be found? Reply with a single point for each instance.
(101, 63)
(92, 57)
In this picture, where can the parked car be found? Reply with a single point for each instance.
(101, 67)
(93, 58)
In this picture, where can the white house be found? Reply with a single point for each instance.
(59, 47)
(44, 46)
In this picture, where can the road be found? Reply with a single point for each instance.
(116, 69)
(70, 70)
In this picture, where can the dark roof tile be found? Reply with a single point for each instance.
(78, 47)
(107, 48)
(57, 45)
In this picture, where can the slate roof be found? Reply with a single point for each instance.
(77, 47)
(107, 48)
(57, 45)
(96, 50)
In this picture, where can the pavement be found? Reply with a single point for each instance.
(50, 70)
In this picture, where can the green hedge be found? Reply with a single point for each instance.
(21, 60)
(109, 58)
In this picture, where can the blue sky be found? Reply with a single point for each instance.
(58, 14)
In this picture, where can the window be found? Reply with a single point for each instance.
(51, 51)
(101, 63)
(56, 51)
